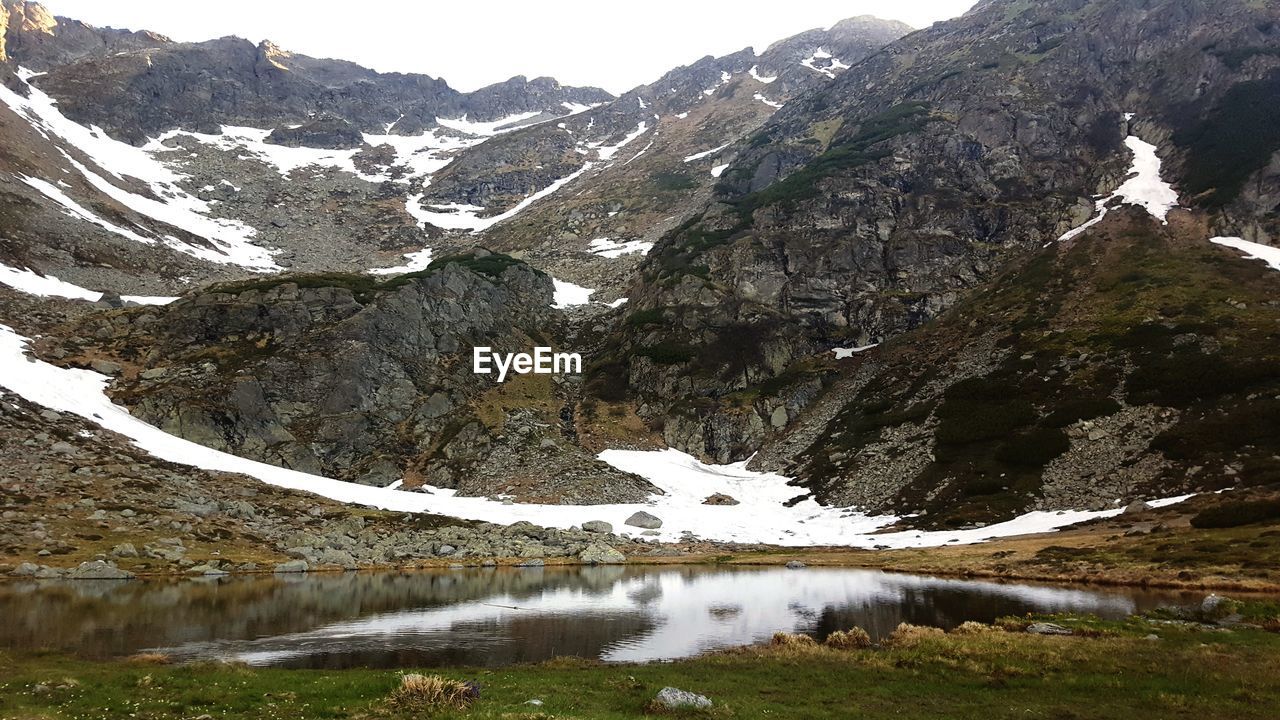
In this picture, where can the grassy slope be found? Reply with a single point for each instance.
(1190, 672)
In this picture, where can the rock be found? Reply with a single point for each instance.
(643, 519)
(446, 550)
(535, 702)
(796, 565)
(1136, 506)
(293, 566)
(670, 698)
(124, 550)
(1042, 628)
(98, 570)
(62, 447)
(601, 554)
(25, 569)
(720, 499)
(535, 562)
(1218, 608)
(206, 570)
(106, 367)
(597, 526)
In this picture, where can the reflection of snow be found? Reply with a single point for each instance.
(686, 613)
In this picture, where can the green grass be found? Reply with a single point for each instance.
(1110, 671)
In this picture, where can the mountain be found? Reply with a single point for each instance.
(951, 275)
(870, 207)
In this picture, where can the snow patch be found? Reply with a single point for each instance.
(488, 129)
(604, 247)
(718, 170)
(707, 153)
(33, 283)
(1144, 187)
(455, 216)
(843, 353)
(1252, 250)
(755, 73)
(829, 69)
(761, 515)
(230, 242)
(767, 101)
(568, 295)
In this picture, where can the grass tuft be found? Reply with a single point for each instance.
(852, 639)
(432, 692)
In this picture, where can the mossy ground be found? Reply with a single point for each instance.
(1110, 670)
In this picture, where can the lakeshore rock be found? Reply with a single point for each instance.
(98, 570)
(670, 698)
(293, 566)
(601, 554)
(1042, 628)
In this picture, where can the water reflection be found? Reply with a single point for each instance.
(496, 617)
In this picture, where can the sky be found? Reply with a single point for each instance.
(614, 45)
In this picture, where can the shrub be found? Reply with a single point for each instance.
(1237, 513)
(852, 639)
(425, 692)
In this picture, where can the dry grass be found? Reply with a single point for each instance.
(907, 635)
(150, 659)
(852, 639)
(792, 641)
(974, 628)
(423, 692)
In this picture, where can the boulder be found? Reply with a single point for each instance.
(643, 519)
(293, 566)
(601, 554)
(98, 570)
(720, 499)
(1136, 506)
(124, 550)
(670, 698)
(796, 565)
(25, 569)
(535, 562)
(597, 526)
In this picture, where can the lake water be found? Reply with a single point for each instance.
(492, 617)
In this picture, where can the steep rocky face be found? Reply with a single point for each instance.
(867, 208)
(1135, 361)
(34, 37)
(140, 93)
(359, 379)
(648, 159)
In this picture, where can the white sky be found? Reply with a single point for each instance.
(614, 45)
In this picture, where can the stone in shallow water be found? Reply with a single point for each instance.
(796, 565)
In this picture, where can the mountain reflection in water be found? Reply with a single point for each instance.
(494, 617)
